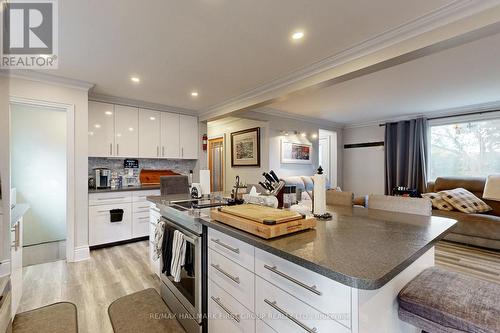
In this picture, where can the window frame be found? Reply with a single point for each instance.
(450, 120)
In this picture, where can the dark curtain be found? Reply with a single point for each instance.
(406, 154)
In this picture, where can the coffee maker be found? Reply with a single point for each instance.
(102, 177)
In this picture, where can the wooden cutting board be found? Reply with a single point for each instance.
(259, 213)
(152, 177)
(262, 230)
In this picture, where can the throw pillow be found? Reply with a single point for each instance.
(464, 201)
(437, 201)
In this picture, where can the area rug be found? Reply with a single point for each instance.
(55, 318)
(143, 311)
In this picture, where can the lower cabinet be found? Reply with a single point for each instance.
(133, 224)
(226, 313)
(154, 218)
(103, 231)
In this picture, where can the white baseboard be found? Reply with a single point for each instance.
(4, 268)
(81, 253)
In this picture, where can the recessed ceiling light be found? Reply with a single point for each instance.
(97, 125)
(298, 35)
(108, 113)
(303, 134)
(135, 79)
(131, 129)
(194, 93)
(152, 118)
(314, 136)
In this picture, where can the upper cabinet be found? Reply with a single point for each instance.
(189, 137)
(101, 129)
(149, 133)
(170, 135)
(126, 131)
(123, 131)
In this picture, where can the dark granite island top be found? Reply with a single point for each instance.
(361, 248)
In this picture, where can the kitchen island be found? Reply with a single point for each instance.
(342, 276)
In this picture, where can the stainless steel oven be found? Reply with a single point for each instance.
(186, 297)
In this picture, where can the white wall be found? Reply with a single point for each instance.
(42, 91)
(363, 168)
(271, 136)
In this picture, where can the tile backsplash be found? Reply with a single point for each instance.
(115, 164)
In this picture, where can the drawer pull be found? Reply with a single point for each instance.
(232, 315)
(114, 198)
(289, 278)
(289, 316)
(143, 218)
(230, 248)
(142, 207)
(234, 278)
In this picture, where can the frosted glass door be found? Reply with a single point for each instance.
(38, 164)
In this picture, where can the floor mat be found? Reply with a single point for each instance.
(55, 318)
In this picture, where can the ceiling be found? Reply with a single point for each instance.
(220, 48)
(465, 75)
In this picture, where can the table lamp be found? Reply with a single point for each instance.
(492, 188)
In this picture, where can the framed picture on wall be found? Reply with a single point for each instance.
(245, 147)
(295, 153)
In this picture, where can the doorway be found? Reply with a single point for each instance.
(216, 164)
(328, 156)
(41, 155)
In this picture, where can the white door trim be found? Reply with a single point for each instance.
(70, 165)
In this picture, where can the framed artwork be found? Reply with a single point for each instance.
(295, 153)
(245, 147)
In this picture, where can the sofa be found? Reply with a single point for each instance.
(474, 229)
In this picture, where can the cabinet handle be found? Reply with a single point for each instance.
(289, 316)
(234, 278)
(157, 151)
(110, 149)
(17, 237)
(117, 149)
(143, 218)
(230, 248)
(182, 152)
(235, 317)
(289, 278)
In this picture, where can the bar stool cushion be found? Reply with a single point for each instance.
(440, 301)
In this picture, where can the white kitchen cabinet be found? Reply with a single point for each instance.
(126, 131)
(149, 133)
(170, 135)
(101, 131)
(103, 231)
(189, 137)
(136, 216)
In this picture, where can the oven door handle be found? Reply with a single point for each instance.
(187, 235)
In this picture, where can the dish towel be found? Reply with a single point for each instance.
(178, 255)
(166, 249)
(158, 240)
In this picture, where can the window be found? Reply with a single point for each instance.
(465, 149)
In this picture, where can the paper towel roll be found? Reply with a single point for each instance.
(319, 194)
(205, 181)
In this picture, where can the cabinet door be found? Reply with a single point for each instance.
(170, 135)
(126, 131)
(149, 133)
(101, 129)
(103, 231)
(189, 138)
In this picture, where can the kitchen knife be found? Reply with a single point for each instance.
(268, 177)
(264, 186)
(274, 176)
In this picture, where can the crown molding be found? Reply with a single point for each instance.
(47, 78)
(440, 17)
(140, 104)
(460, 111)
(294, 116)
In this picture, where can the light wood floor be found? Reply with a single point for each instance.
(92, 285)
(483, 264)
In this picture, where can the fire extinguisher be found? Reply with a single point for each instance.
(204, 141)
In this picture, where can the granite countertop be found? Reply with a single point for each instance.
(361, 248)
(124, 189)
(17, 212)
